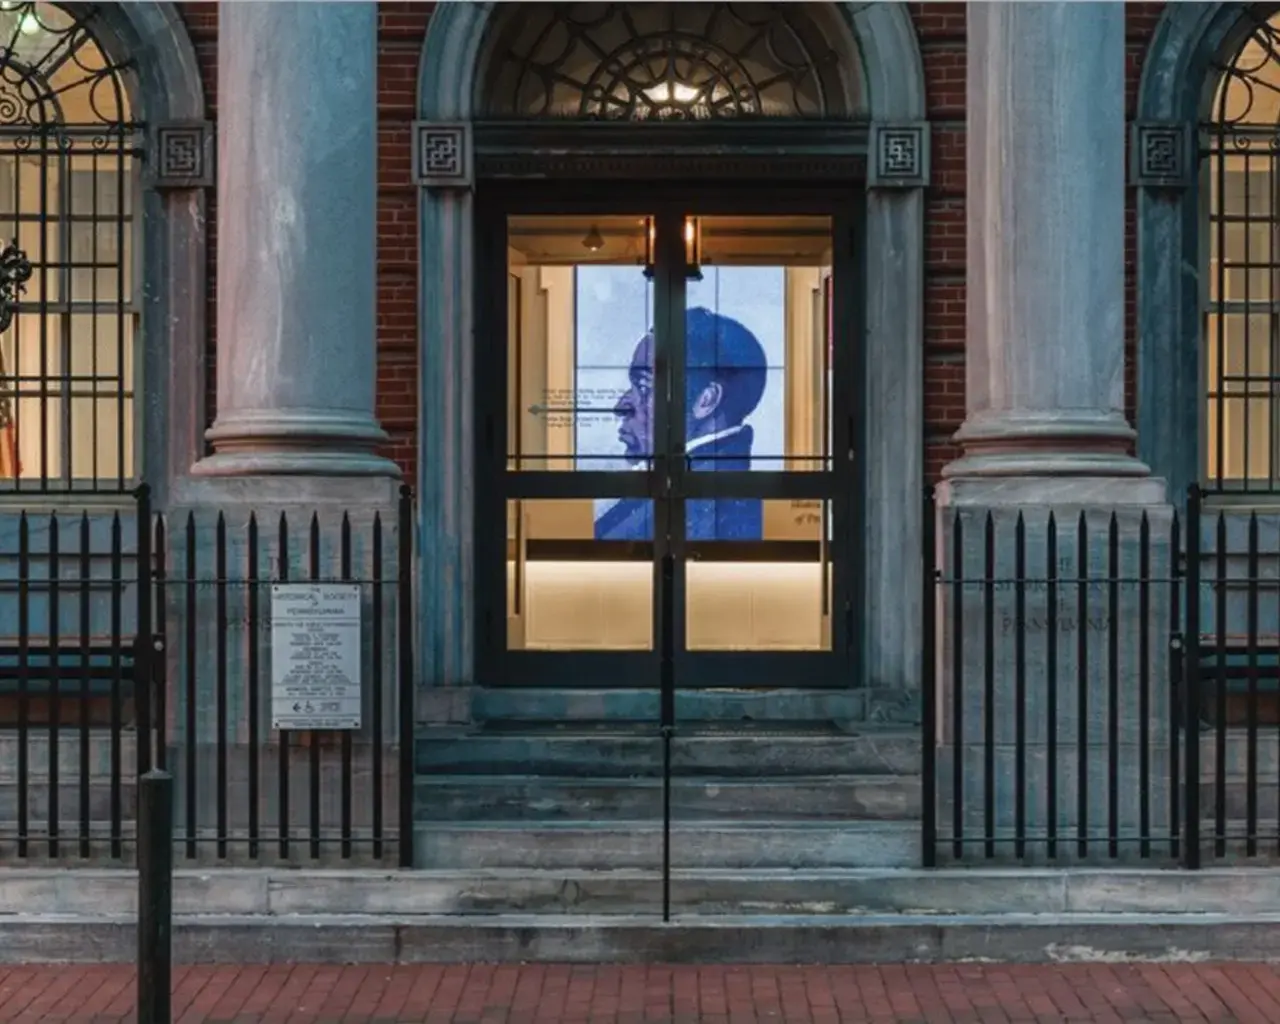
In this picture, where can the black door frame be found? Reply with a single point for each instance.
(843, 485)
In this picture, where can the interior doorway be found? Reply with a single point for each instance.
(669, 375)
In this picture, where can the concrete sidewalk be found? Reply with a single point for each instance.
(514, 994)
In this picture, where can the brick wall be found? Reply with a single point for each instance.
(941, 28)
(401, 30)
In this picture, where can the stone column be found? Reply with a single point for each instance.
(1045, 199)
(297, 178)
(1046, 441)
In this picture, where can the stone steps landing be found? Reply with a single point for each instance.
(516, 798)
(611, 751)
(603, 846)
(721, 704)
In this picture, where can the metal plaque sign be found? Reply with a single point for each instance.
(315, 656)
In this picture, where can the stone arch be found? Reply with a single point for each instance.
(1174, 92)
(894, 95)
(171, 105)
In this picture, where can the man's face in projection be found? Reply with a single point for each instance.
(635, 408)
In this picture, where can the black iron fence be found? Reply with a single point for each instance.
(1102, 686)
(135, 640)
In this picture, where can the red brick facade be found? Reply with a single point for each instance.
(941, 28)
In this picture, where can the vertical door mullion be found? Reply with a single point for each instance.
(669, 306)
(848, 464)
(490, 441)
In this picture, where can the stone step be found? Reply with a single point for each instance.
(287, 891)
(552, 798)
(634, 705)
(380, 939)
(785, 891)
(717, 844)
(604, 753)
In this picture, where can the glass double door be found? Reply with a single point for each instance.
(668, 455)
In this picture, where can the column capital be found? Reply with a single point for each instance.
(181, 155)
(898, 154)
(443, 157)
(1160, 154)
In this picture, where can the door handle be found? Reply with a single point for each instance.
(661, 478)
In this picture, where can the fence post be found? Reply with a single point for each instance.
(405, 702)
(929, 687)
(155, 896)
(142, 659)
(667, 701)
(1191, 683)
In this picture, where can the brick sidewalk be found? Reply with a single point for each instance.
(513, 994)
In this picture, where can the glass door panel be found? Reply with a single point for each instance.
(568, 591)
(758, 345)
(580, 307)
(579, 447)
(758, 482)
(768, 594)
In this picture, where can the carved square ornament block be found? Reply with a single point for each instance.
(1159, 154)
(442, 154)
(183, 154)
(899, 155)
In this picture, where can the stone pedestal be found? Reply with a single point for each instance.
(1070, 714)
(214, 633)
(297, 174)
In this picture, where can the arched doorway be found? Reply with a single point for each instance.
(681, 164)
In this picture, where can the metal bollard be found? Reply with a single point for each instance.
(155, 896)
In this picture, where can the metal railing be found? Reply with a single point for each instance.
(143, 642)
(1102, 687)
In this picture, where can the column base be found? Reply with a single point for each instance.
(1057, 491)
(295, 490)
(296, 442)
(1075, 443)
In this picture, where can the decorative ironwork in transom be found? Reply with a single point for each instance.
(54, 74)
(664, 61)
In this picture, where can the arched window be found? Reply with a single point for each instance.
(666, 61)
(69, 150)
(1241, 439)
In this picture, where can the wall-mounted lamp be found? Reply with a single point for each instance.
(692, 247)
(593, 241)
